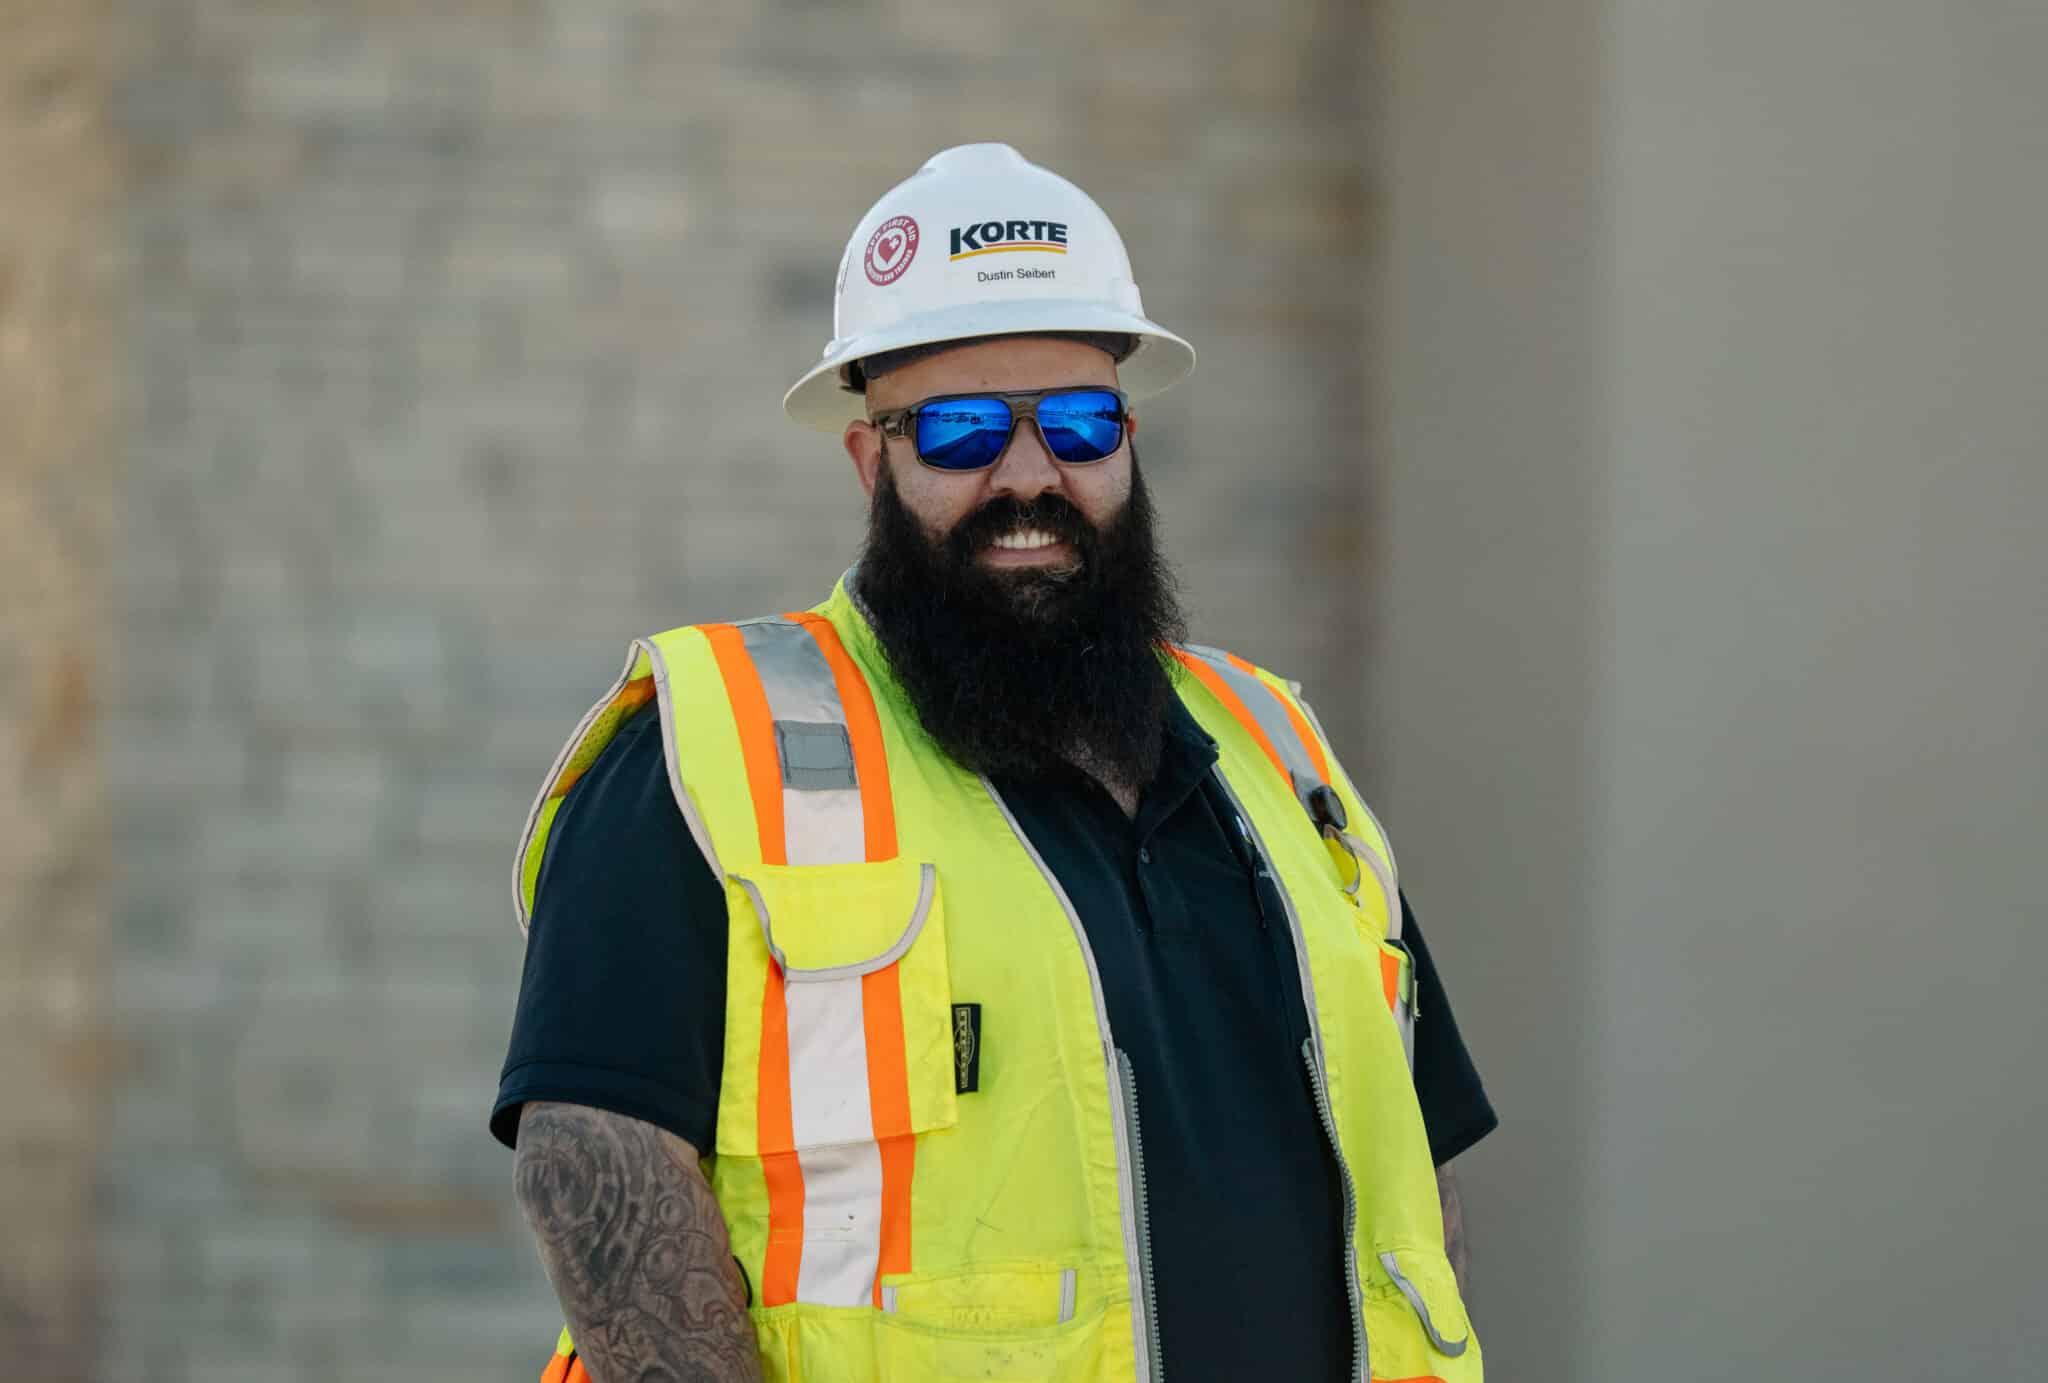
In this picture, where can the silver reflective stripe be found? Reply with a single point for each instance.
(1450, 1349)
(1266, 708)
(1383, 875)
(822, 823)
(1392, 865)
(889, 1300)
(1067, 1286)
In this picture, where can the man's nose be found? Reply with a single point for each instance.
(1026, 468)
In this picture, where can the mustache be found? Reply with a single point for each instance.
(1007, 514)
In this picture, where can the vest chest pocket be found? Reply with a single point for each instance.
(839, 1053)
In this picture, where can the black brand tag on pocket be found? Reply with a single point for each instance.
(966, 1048)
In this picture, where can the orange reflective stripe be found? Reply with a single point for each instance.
(557, 1370)
(1390, 980)
(757, 735)
(1308, 737)
(1220, 689)
(780, 1169)
(864, 729)
(881, 1002)
(576, 1373)
(899, 1161)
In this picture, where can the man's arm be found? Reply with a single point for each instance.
(635, 1246)
(1455, 1247)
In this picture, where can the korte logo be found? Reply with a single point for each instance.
(890, 250)
(1002, 237)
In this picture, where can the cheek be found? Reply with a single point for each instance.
(939, 501)
(1100, 491)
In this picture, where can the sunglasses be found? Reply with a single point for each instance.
(968, 432)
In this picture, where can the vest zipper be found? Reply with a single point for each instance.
(1315, 1081)
(1312, 1053)
(1124, 1115)
(1130, 1080)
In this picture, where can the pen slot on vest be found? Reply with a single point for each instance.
(1254, 867)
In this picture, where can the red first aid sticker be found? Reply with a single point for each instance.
(890, 250)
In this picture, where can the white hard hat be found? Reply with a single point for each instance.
(981, 242)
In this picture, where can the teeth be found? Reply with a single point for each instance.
(1027, 539)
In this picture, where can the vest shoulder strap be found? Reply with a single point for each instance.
(634, 688)
(811, 738)
(807, 731)
(1270, 710)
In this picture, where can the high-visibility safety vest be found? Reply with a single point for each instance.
(894, 1227)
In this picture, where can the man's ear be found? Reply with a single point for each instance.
(863, 443)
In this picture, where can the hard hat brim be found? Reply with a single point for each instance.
(818, 401)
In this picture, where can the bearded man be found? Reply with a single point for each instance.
(860, 937)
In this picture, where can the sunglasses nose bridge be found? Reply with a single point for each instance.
(1026, 411)
(1025, 464)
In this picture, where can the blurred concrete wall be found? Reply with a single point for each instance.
(1486, 364)
(1711, 680)
(59, 168)
(456, 345)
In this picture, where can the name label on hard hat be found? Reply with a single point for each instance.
(994, 237)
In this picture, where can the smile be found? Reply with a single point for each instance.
(1025, 540)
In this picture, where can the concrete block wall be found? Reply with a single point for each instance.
(454, 356)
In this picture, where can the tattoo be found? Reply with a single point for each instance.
(1455, 1247)
(636, 1248)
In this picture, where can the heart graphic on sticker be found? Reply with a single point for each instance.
(890, 250)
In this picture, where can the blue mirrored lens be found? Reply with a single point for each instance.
(1081, 425)
(962, 434)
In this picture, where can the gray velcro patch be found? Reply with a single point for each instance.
(815, 757)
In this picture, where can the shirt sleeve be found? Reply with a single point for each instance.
(622, 999)
(1455, 1109)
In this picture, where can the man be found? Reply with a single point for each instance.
(861, 936)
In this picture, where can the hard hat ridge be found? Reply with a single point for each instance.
(856, 374)
(978, 243)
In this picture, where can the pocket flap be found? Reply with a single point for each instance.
(838, 921)
(1431, 1288)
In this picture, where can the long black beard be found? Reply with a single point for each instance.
(1028, 674)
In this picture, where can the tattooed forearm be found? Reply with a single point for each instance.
(1455, 1247)
(636, 1248)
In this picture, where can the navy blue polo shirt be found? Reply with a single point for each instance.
(622, 1007)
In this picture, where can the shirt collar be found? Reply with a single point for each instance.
(1186, 754)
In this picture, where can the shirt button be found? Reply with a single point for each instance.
(1144, 856)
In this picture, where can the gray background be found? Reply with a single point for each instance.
(1627, 418)
(1712, 691)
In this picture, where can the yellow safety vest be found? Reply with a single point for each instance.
(893, 1228)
